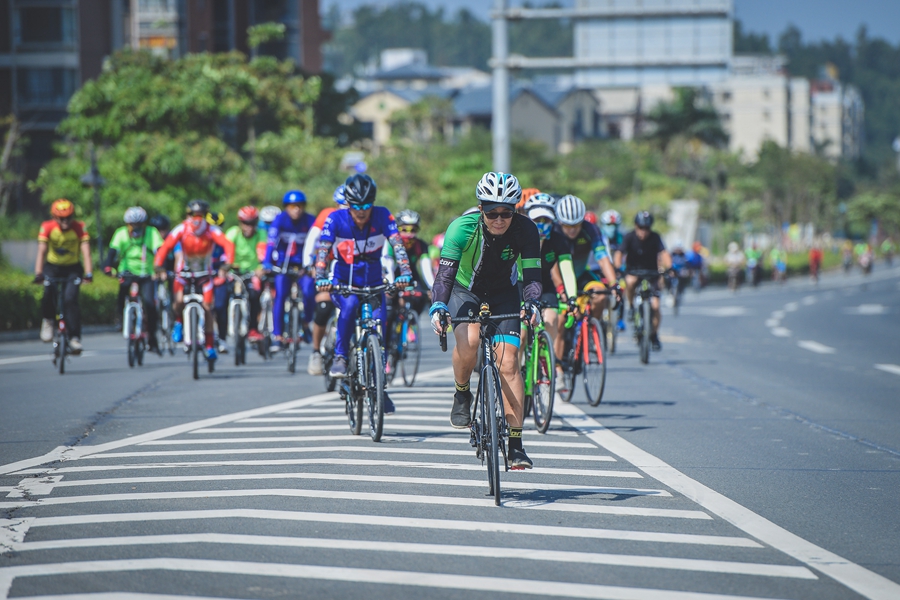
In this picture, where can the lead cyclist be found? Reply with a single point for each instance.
(478, 264)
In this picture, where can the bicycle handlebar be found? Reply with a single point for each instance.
(644, 273)
(348, 290)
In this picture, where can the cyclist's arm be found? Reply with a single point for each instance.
(168, 245)
(272, 243)
(41, 257)
(567, 274)
(455, 241)
(602, 258)
(387, 262)
(326, 241)
(226, 244)
(309, 246)
(619, 258)
(426, 271)
(531, 264)
(400, 256)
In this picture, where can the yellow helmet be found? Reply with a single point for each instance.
(215, 218)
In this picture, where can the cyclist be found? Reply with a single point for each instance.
(887, 250)
(267, 214)
(479, 264)
(249, 247)
(197, 238)
(131, 253)
(590, 257)
(59, 242)
(778, 258)
(610, 221)
(643, 249)
(287, 234)
(754, 264)
(324, 305)
(357, 235)
(558, 283)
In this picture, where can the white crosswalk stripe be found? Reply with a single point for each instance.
(306, 491)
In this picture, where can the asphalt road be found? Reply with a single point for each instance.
(757, 455)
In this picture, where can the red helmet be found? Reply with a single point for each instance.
(248, 214)
(62, 208)
(591, 217)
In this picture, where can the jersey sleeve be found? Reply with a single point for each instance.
(81, 231)
(45, 230)
(226, 244)
(531, 261)
(454, 243)
(566, 267)
(168, 245)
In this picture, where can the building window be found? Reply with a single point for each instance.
(766, 116)
(726, 96)
(45, 87)
(44, 25)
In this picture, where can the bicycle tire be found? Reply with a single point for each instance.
(328, 355)
(139, 354)
(374, 379)
(491, 398)
(544, 387)
(354, 408)
(238, 338)
(593, 372)
(568, 378)
(610, 330)
(63, 347)
(411, 352)
(195, 345)
(132, 350)
(645, 333)
(293, 342)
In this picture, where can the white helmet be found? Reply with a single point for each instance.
(611, 217)
(135, 215)
(570, 210)
(501, 188)
(540, 199)
(268, 213)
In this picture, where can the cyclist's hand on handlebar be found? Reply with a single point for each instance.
(323, 285)
(403, 281)
(88, 278)
(440, 316)
(38, 278)
(531, 312)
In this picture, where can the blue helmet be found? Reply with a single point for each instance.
(339, 195)
(294, 197)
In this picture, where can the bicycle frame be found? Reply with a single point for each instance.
(60, 335)
(193, 302)
(239, 301)
(133, 313)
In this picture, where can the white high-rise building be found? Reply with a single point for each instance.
(631, 43)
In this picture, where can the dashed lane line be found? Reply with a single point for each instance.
(895, 369)
(365, 497)
(816, 347)
(861, 580)
(359, 545)
(450, 581)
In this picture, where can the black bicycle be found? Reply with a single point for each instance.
(292, 332)
(133, 324)
(163, 331)
(194, 319)
(489, 429)
(363, 387)
(405, 351)
(60, 334)
(643, 310)
(239, 316)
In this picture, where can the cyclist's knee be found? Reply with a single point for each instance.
(323, 312)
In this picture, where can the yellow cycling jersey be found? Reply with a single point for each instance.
(63, 246)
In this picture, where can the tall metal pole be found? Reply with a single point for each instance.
(95, 183)
(500, 120)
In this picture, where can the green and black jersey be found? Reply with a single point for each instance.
(486, 264)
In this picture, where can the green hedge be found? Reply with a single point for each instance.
(20, 300)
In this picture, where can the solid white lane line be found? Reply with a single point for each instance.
(450, 581)
(124, 596)
(857, 578)
(895, 369)
(517, 553)
(364, 497)
(816, 347)
(381, 449)
(791, 307)
(389, 438)
(353, 462)
(373, 520)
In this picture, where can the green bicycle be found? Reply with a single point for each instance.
(539, 375)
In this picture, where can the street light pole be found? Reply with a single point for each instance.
(93, 179)
(500, 121)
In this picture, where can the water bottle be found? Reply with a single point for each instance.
(366, 311)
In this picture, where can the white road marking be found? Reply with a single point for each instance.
(781, 332)
(815, 347)
(388, 438)
(809, 300)
(519, 485)
(342, 417)
(402, 405)
(519, 553)
(375, 520)
(778, 314)
(857, 578)
(34, 486)
(303, 450)
(124, 596)
(450, 581)
(895, 369)
(719, 311)
(772, 323)
(39, 357)
(389, 424)
(364, 497)
(867, 310)
(791, 307)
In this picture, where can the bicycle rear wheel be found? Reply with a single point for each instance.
(353, 406)
(328, 355)
(567, 382)
(293, 343)
(590, 349)
(239, 340)
(139, 351)
(63, 347)
(491, 427)
(645, 332)
(544, 386)
(195, 343)
(374, 382)
(411, 349)
(609, 325)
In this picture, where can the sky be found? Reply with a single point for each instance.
(817, 19)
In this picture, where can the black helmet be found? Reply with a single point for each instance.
(359, 189)
(644, 219)
(197, 207)
(161, 222)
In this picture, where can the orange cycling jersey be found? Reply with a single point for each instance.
(197, 249)
(62, 246)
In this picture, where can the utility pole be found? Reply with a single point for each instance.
(500, 120)
(92, 178)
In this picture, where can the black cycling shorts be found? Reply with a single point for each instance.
(465, 304)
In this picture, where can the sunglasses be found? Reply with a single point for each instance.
(361, 206)
(408, 229)
(499, 214)
(69, 218)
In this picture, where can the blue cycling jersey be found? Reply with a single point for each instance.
(286, 239)
(358, 250)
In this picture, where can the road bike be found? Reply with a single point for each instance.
(194, 319)
(609, 319)
(675, 284)
(292, 332)
(643, 310)
(239, 316)
(488, 430)
(585, 354)
(539, 374)
(60, 333)
(133, 328)
(363, 387)
(328, 351)
(266, 319)
(405, 351)
(166, 319)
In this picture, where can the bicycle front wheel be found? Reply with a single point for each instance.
(646, 326)
(239, 340)
(411, 350)
(63, 349)
(195, 343)
(328, 355)
(373, 376)
(544, 387)
(590, 348)
(294, 343)
(490, 427)
(609, 324)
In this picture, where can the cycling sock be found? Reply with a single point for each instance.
(210, 340)
(462, 387)
(515, 438)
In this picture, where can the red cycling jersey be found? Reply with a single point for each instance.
(197, 249)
